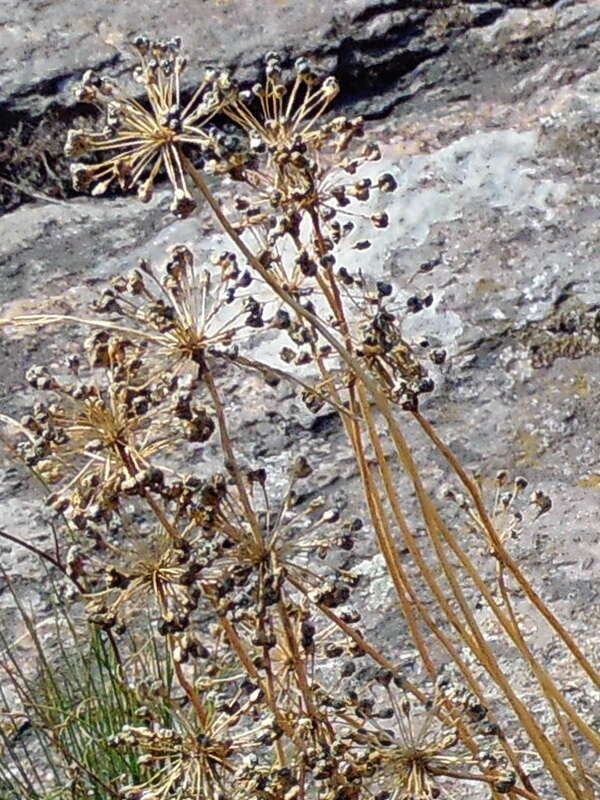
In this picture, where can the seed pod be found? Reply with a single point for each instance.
(301, 468)
(505, 784)
(307, 630)
(520, 483)
(312, 401)
(387, 182)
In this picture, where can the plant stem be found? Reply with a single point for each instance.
(502, 553)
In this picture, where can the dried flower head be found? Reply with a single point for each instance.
(144, 138)
(183, 312)
(297, 166)
(95, 431)
(409, 750)
(272, 537)
(189, 759)
(508, 507)
(155, 551)
(132, 567)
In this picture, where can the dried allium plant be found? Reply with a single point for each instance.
(265, 683)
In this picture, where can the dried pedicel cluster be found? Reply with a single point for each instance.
(228, 611)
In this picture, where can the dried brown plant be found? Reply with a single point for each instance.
(274, 691)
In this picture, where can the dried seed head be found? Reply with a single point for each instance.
(147, 138)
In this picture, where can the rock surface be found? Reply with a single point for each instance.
(48, 46)
(490, 120)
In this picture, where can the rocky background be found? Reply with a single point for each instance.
(488, 114)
